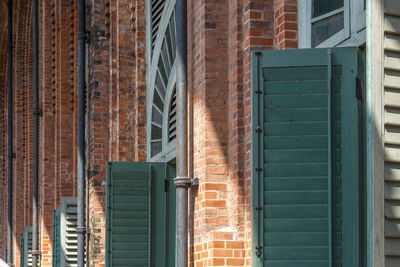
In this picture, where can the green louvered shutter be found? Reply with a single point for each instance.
(56, 238)
(140, 214)
(22, 254)
(28, 246)
(305, 158)
(68, 236)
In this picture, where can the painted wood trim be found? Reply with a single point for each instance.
(354, 23)
(64, 202)
(374, 135)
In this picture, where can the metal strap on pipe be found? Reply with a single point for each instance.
(329, 80)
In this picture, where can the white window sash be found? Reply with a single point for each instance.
(305, 23)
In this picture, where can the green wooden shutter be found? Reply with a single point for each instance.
(27, 246)
(68, 236)
(56, 261)
(140, 214)
(21, 251)
(305, 158)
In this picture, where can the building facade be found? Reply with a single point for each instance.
(131, 118)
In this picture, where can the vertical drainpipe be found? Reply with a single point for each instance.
(81, 229)
(36, 114)
(182, 181)
(10, 134)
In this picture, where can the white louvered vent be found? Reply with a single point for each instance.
(157, 7)
(28, 246)
(69, 243)
(172, 118)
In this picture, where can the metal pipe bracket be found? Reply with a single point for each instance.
(36, 253)
(186, 182)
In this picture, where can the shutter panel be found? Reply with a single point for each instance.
(137, 215)
(22, 254)
(68, 222)
(305, 165)
(172, 118)
(28, 246)
(56, 238)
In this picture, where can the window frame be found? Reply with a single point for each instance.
(168, 147)
(353, 33)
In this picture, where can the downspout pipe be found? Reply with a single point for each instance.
(36, 114)
(182, 182)
(10, 133)
(81, 228)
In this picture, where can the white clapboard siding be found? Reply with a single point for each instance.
(391, 120)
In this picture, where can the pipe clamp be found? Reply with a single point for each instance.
(182, 182)
(36, 253)
(186, 182)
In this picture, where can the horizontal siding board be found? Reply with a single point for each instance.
(392, 228)
(392, 261)
(391, 7)
(392, 246)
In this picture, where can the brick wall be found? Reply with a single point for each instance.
(117, 101)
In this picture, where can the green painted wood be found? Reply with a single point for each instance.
(68, 236)
(310, 158)
(140, 216)
(21, 251)
(28, 246)
(56, 261)
(161, 77)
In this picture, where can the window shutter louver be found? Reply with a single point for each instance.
(68, 222)
(56, 261)
(28, 246)
(305, 161)
(136, 215)
(21, 251)
(157, 7)
(172, 118)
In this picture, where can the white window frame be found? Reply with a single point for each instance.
(353, 33)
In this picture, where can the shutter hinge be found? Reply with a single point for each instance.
(166, 185)
(359, 89)
(258, 251)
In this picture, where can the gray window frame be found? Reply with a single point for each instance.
(168, 151)
(353, 33)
